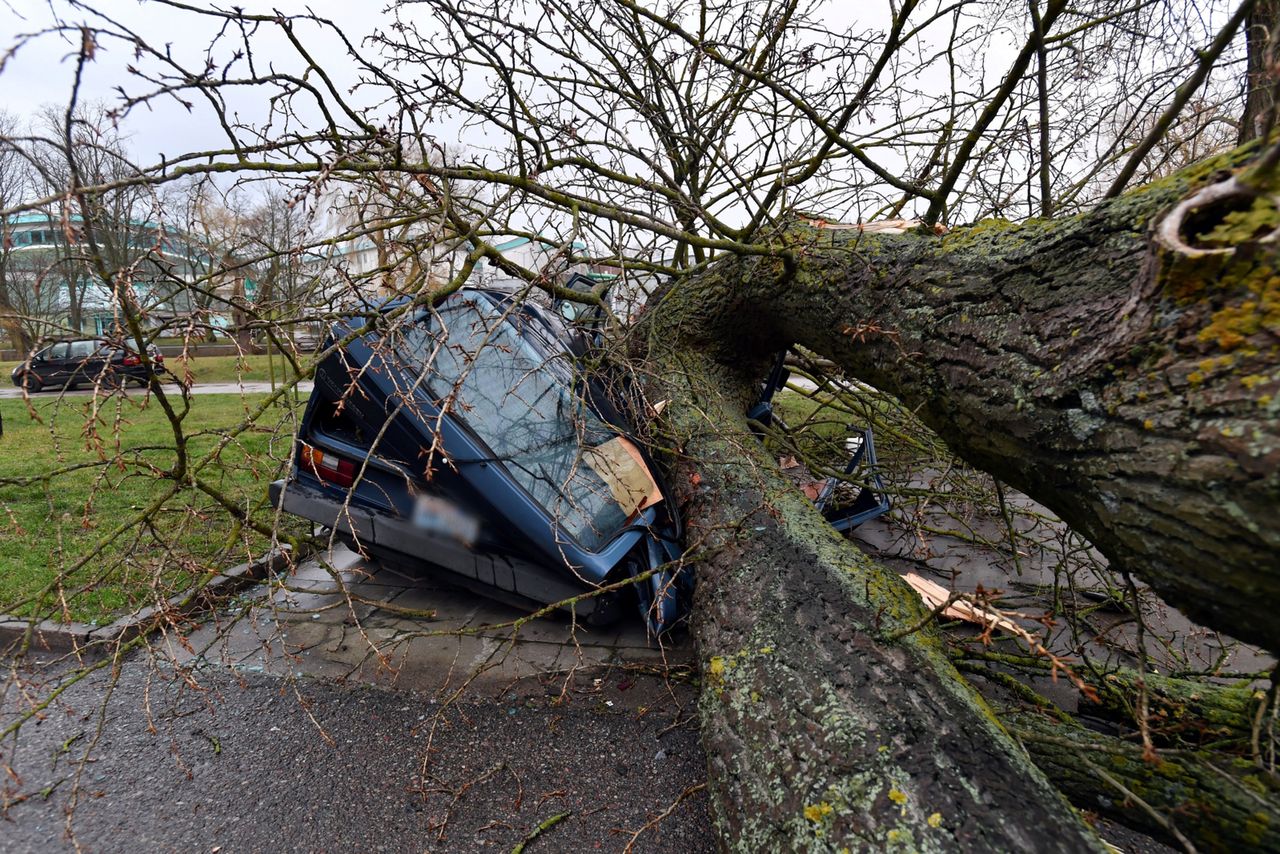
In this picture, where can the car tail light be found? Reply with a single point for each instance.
(130, 361)
(328, 468)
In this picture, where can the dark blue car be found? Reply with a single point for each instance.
(466, 437)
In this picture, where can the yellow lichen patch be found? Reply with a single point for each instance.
(715, 669)
(1232, 325)
(1149, 424)
(1252, 381)
(817, 812)
(1241, 226)
(935, 820)
(1195, 378)
(898, 796)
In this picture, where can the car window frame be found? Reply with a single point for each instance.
(491, 310)
(90, 350)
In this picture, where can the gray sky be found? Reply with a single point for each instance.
(42, 70)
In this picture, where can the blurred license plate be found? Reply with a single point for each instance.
(444, 519)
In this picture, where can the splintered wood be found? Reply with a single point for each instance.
(934, 595)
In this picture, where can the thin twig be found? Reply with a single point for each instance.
(539, 830)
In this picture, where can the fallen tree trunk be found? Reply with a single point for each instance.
(1207, 784)
(1181, 713)
(1129, 384)
(1214, 801)
(1067, 358)
(829, 724)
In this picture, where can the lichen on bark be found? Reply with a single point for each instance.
(1057, 355)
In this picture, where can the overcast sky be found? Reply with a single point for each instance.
(41, 72)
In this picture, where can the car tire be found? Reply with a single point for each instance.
(32, 383)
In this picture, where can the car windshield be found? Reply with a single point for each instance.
(521, 403)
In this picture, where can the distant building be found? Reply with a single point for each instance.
(53, 284)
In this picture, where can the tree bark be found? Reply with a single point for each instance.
(1181, 713)
(1208, 782)
(1217, 802)
(10, 320)
(1260, 80)
(1128, 386)
(1132, 389)
(823, 731)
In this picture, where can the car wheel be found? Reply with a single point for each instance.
(31, 383)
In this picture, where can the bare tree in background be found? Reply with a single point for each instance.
(14, 187)
(1102, 338)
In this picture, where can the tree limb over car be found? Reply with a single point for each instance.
(1120, 362)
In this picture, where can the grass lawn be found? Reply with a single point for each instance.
(88, 488)
(215, 369)
(230, 369)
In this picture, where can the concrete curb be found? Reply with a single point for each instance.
(88, 641)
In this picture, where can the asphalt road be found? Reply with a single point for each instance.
(7, 392)
(260, 763)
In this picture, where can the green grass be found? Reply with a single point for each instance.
(230, 369)
(89, 483)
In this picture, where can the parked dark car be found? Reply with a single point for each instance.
(88, 361)
(467, 437)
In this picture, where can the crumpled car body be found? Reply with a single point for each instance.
(465, 437)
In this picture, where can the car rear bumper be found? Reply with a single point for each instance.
(508, 578)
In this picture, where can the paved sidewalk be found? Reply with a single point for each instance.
(305, 718)
(362, 622)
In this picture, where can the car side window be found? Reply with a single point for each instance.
(81, 349)
(57, 351)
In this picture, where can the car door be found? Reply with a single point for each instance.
(80, 364)
(51, 365)
(101, 361)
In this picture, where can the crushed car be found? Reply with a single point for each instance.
(466, 437)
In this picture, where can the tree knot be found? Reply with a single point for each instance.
(1219, 218)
